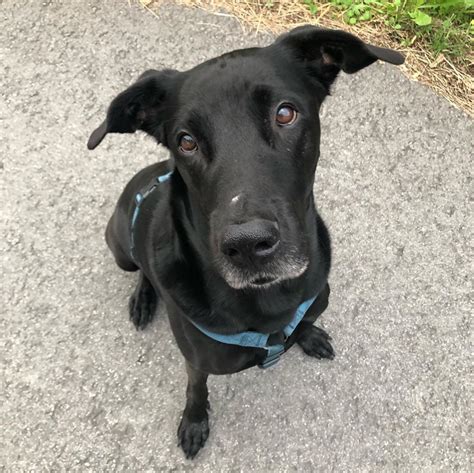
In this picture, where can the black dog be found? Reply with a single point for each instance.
(226, 231)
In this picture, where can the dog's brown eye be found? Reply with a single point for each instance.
(286, 115)
(187, 144)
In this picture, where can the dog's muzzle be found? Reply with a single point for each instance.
(252, 256)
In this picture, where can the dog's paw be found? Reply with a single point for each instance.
(142, 306)
(316, 342)
(192, 435)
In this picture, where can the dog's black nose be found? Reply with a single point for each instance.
(252, 241)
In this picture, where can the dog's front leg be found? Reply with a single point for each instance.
(194, 427)
(314, 340)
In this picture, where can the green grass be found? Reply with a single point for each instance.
(446, 26)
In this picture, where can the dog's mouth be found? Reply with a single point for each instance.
(241, 279)
(263, 281)
(259, 283)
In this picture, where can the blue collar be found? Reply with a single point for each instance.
(260, 340)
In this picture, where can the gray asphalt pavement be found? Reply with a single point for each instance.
(82, 390)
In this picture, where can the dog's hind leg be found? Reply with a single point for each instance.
(194, 426)
(143, 302)
(122, 258)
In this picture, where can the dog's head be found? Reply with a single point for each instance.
(244, 133)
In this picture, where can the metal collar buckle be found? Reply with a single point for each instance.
(274, 353)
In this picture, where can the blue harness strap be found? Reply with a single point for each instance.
(260, 340)
(139, 198)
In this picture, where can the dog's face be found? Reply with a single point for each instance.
(244, 132)
(245, 140)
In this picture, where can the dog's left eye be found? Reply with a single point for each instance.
(286, 115)
(187, 144)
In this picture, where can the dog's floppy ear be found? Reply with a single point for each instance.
(325, 52)
(140, 107)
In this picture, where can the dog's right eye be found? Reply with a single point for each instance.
(286, 115)
(187, 144)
